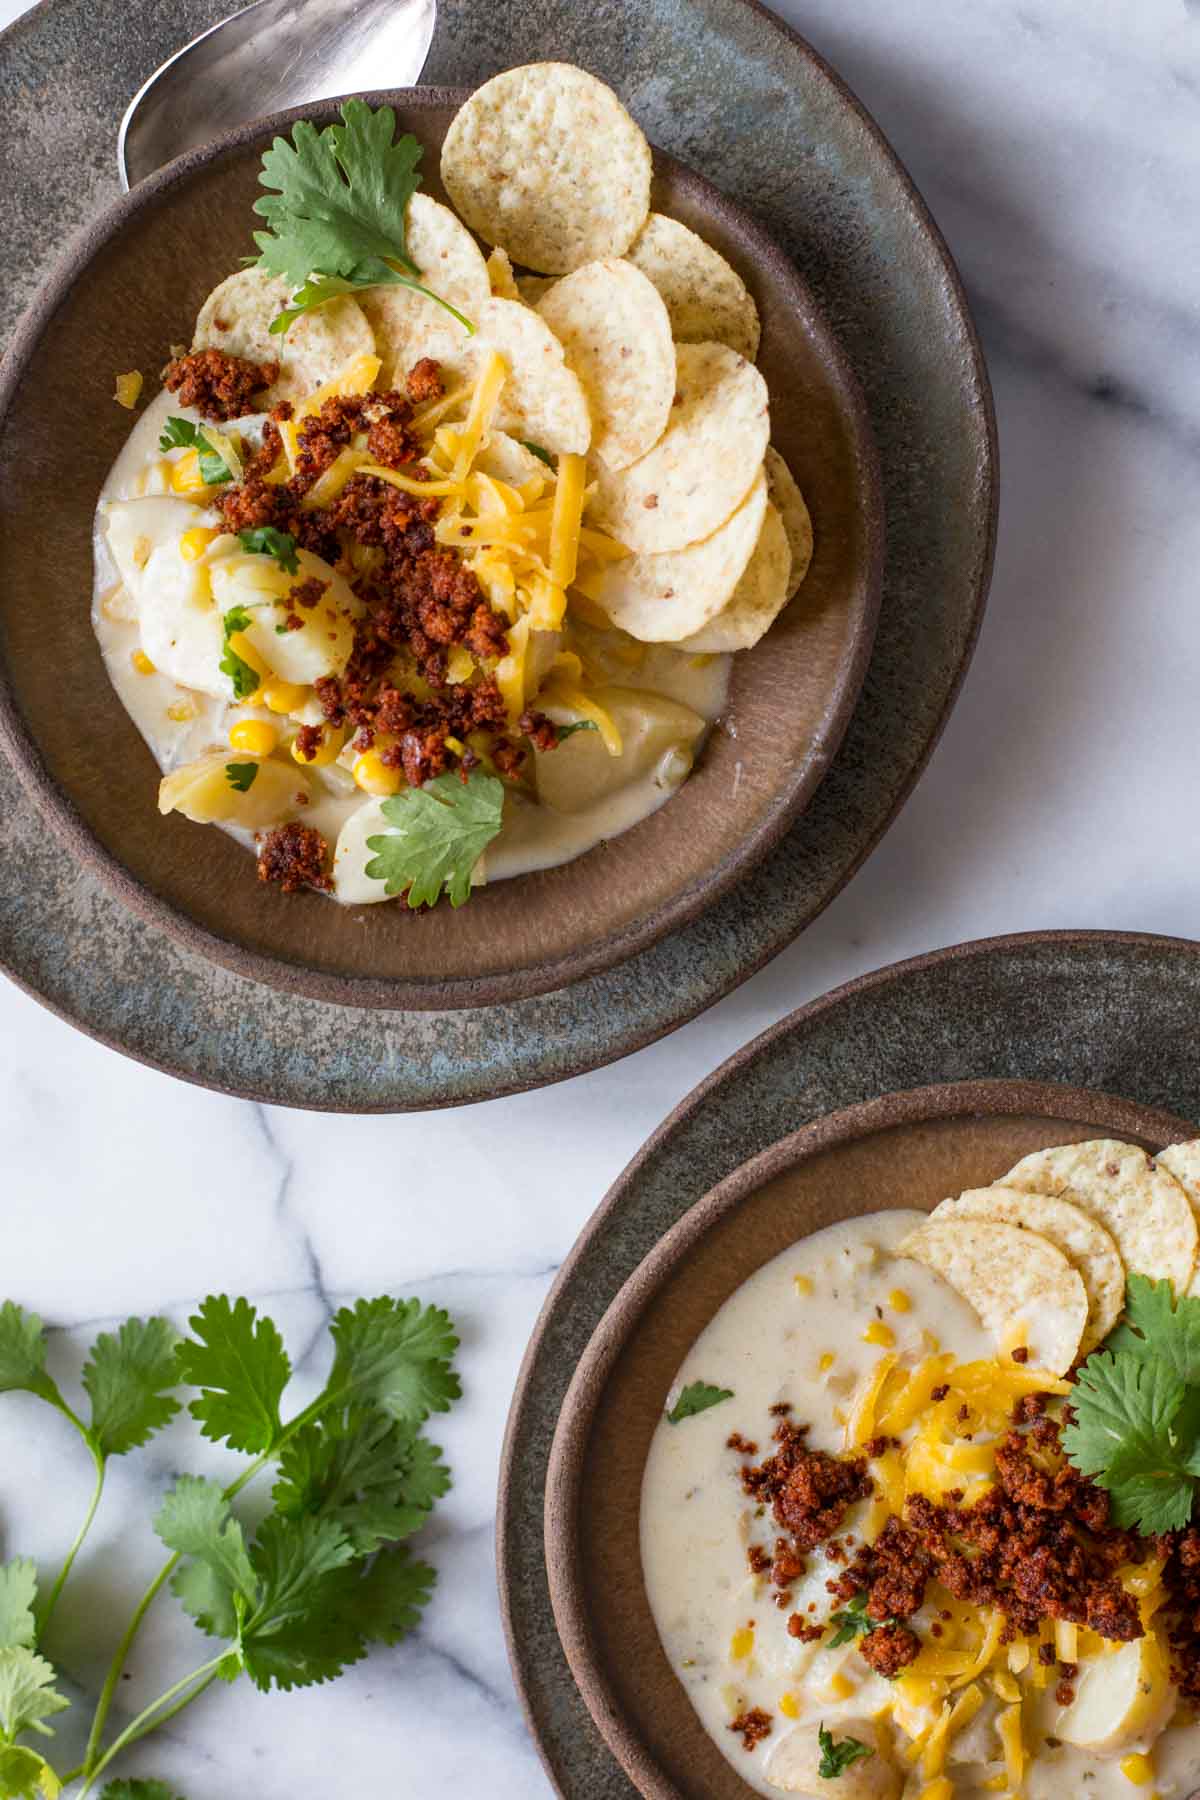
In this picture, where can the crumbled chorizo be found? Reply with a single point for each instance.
(889, 1648)
(293, 856)
(218, 385)
(752, 1727)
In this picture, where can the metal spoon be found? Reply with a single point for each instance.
(271, 55)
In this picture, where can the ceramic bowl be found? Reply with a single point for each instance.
(127, 289)
(909, 1149)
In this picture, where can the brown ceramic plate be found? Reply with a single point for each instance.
(909, 1149)
(128, 289)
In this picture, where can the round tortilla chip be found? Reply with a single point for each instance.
(618, 341)
(705, 463)
(790, 504)
(757, 600)
(661, 599)
(451, 263)
(706, 298)
(237, 316)
(1084, 1242)
(543, 401)
(1183, 1162)
(1023, 1289)
(547, 162)
(1140, 1204)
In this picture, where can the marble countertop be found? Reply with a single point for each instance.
(1056, 142)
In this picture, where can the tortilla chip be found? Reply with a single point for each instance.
(236, 318)
(543, 401)
(508, 460)
(790, 504)
(1084, 1242)
(618, 341)
(705, 463)
(547, 162)
(707, 300)
(1024, 1290)
(451, 263)
(532, 287)
(1141, 1205)
(1183, 1162)
(661, 599)
(757, 600)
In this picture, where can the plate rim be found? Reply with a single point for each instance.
(1002, 1097)
(509, 1479)
(614, 947)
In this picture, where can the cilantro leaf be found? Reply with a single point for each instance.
(181, 433)
(18, 1591)
(396, 1355)
(137, 1790)
(566, 731)
(241, 776)
(267, 541)
(851, 1621)
(217, 1582)
(1159, 1328)
(23, 1354)
(837, 1758)
(1126, 1435)
(300, 1632)
(386, 1602)
(243, 677)
(436, 836)
(695, 1398)
(127, 1378)
(24, 1774)
(374, 1477)
(27, 1694)
(238, 1361)
(536, 450)
(337, 209)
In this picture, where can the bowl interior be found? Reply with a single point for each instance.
(132, 289)
(910, 1150)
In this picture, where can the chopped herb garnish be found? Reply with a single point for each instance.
(536, 450)
(695, 1398)
(566, 731)
(182, 434)
(837, 1758)
(243, 677)
(241, 776)
(338, 210)
(436, 836)
(266, 541)
(851, 1621)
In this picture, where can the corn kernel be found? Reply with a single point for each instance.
(789, 1706)
(284, 696)
(127, 389)
(899, 1301)
(827, 1361)
(142, 663)
(185, 474)
(802, 1285)
(195, 542)
(839, 1687)
(1138, 1769)
(181, 711)
(879, 1333)
(373, 775)
(327, 751)
(255, 736)
(741, 1643)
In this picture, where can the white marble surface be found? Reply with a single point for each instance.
(1057, 142)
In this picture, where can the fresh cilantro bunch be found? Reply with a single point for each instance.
(182, 434)
(1136, 1411)
(337, 210)
(323, 1576)
(435, 837)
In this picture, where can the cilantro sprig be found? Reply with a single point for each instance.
(323, 1576)
(435, 837)
(244, 678)
(695, 1398)
(241, 776)
(337, 210)
(566, 731)
(1135, 1427)
(837, 1758)
(851, 1621)
(182, 434)
(266, 540)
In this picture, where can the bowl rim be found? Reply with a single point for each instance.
(611, 948)
(1004, 1097)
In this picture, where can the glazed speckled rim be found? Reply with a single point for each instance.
(603, 952)
(515, 1471)
(1106, 1113)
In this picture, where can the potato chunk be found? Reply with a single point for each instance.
(794, 1766)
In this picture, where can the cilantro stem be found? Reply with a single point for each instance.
(182, 1692)
(61, 1580)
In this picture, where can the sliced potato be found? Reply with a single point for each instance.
(204, 791)
(1024, 1290)
(1084, 1242)
(323, 643)
(794, 1766)
(351, 883)
(580, 771)
(1122, 1701)
(1140, 1204)
(1183, 1162)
